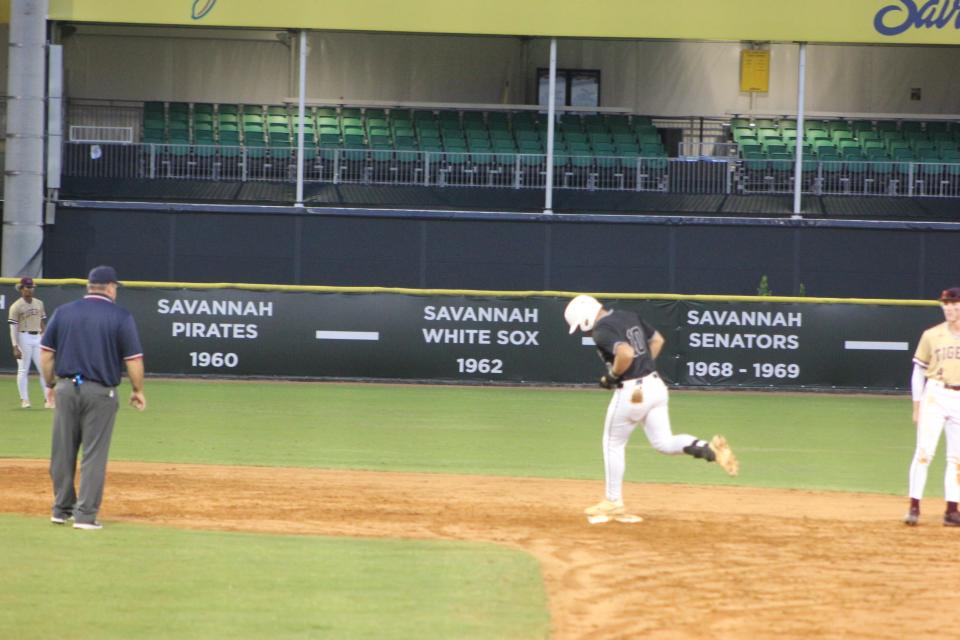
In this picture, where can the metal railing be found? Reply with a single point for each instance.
(718, 174)
(365, 166)
(852, 177)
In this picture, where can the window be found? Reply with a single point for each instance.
(575, 87)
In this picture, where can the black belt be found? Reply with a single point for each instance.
(33, 333)
(78, 379)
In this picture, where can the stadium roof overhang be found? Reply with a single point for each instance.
(935, 22)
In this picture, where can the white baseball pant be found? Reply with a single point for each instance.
(626, 410)
(939, 411)
(30, 352)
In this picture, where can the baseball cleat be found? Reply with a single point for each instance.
(606, 508)
(49, 405)
(951, 519)
(89, 526)
(912, 517)
(24, 404)
(724, 454)
(60, 519)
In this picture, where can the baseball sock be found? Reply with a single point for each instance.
(915, 505)
(700, 449)
(951, 507)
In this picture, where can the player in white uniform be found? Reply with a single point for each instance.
(935, 388)
(629, 346)
(27, 319)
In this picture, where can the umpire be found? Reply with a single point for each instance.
(82, 349)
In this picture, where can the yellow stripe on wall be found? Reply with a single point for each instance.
(53, 282)
(903, 21)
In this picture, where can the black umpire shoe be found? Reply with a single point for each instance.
(951, 519)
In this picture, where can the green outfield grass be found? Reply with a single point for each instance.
(147, 582)
(154, 582)
(850, 443)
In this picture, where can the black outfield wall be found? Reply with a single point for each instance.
(649, 254)
(320, 332)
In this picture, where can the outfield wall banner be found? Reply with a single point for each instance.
(858, 21)
(507, 338)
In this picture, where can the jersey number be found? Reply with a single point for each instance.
(637, 341)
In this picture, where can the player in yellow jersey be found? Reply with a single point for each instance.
(936, 407)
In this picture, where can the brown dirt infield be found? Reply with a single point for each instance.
(707, 562)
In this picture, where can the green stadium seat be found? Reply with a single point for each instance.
(481, 146)
(911, 126)
(767, 132)
(498, 120)
(950, 155)
(604, 148)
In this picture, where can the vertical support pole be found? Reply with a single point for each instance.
(54, 115)
(301, 112)
(798, 163)
(23, 208)
(551, 117)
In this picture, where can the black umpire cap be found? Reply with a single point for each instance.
(103, 275)
(950, 295)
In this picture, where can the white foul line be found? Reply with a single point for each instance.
(348, 335)
(866, 345)
(587, 341)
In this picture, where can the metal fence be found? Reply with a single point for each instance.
(364, 166)
(854, 177)
(719, 174)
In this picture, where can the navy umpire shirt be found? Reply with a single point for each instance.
(92, 337)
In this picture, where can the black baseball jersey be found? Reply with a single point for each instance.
(625, 326)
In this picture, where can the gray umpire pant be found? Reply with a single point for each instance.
(84, 416)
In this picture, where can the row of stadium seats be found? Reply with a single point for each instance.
(849, 140)
(398, 129)
(904, 126)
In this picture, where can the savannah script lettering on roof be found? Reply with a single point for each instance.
(896, 18)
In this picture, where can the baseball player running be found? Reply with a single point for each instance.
(629, 346)
(27, 318)
(935, 387)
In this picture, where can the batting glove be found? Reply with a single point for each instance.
(609, 381)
